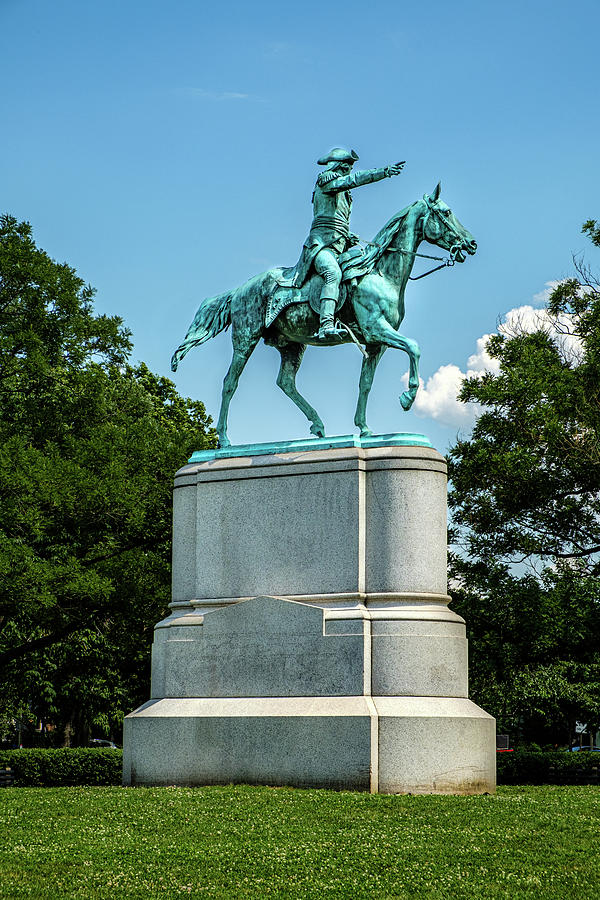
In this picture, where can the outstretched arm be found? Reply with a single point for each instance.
(357, 179)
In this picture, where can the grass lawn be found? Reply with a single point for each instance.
(254, 842)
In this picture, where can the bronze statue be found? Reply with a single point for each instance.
(329, 234)
(291, 308)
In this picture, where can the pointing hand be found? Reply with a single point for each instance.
(395, 169)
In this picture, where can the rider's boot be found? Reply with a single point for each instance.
(327, 327)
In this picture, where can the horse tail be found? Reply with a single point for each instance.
(213, 316)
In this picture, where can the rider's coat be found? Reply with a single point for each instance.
(332, 204)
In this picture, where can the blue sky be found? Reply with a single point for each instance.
(168, 152)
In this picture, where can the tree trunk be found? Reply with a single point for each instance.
(68, 730)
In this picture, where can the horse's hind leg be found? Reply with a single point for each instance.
(367, 372)
(291, 357)
(241, 355)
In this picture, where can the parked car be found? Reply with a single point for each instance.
(101, 742)
(503, 743)
(577, 749)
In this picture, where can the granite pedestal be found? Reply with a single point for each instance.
(310, 641)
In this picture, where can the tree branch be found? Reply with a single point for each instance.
(39, 643)
(573, 555)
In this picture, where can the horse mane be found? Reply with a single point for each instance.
(356, 267)
(386, 234)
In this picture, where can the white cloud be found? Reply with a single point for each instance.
(526, 318)
(481, 361)
(541, 298)
(437, 398)
(218, 96)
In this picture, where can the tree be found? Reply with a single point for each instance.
(88, 448)
(526, 493)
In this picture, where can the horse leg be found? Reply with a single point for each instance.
(291, 357)
(381, 332)
(414, 354)
(241, 355)
(367, 372)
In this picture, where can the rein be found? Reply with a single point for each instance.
(446, 261)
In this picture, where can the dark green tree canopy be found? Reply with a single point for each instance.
(525, 495)
(88, 447)
(527, 483)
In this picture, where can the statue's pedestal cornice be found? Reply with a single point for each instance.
(396, 439)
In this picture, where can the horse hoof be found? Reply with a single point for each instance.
(366, 432)
(406, 400)
(223, 443)
(318, 431)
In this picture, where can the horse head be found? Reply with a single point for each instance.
(442, 228)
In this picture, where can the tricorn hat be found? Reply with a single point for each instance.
(338, 154)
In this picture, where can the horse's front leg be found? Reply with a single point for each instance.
(367, 373)
(414, 354)
(380, 331)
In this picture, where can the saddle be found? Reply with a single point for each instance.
(284, 294)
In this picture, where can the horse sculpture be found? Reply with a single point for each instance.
(375, 281)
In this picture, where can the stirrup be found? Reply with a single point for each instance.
(329, 330)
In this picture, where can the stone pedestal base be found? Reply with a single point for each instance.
(355, 675)
(393, 745)
(272, 691)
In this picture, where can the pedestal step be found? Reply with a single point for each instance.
(379, 744)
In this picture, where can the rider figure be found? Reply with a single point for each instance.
(329, 234)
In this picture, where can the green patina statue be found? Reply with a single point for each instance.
(291, 308)
(329, 234)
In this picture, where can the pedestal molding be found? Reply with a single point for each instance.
(324, 600)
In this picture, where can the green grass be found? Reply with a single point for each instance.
(107, 842)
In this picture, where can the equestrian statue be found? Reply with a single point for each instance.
(290, 308)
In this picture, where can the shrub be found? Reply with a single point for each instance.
(550, 767)
(66, 766)
(83, 766)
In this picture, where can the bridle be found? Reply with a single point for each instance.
(446, 261)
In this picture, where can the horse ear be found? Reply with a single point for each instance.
(435, 195)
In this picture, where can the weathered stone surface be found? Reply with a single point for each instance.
(390, 745)
(406, 529)
(355, 675)
(330, 522)
(284, 534)
(266, 647)
(305, 742)
(435, 745)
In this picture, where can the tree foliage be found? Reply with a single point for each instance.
(88, 447)
(525, 502)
